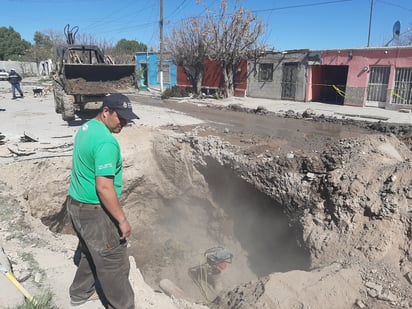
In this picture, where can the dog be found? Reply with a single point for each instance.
(47, 90)
(42, 91)
(38, 91)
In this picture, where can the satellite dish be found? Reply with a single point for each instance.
(396, 31)
(396, 28)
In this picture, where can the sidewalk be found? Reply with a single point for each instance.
(279, 106)
(339, 111)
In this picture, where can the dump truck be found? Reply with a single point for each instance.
(84, 75)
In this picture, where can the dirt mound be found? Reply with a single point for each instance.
(351, 204)
(331, 287)
(81, 86)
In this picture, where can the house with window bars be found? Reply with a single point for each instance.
(279, 76)
(148, 70)
(379, 77)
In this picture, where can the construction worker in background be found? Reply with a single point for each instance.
(15, 79)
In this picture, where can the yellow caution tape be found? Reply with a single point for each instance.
(395, 94)
(340, 92)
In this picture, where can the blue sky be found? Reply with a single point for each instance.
(291, 24)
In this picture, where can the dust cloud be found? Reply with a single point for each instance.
(259, 224)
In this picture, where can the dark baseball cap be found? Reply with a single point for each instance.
(121, 105)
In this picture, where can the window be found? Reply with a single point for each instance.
(166, 73)
(402, 92)
(265, 72)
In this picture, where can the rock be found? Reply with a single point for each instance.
(408, 277)
(37, 277)
(309, 113)
(360, 303)
(373, 293)
(171, 289)
(387, 296)
(22, 276)
(371, 285)
(310, 176)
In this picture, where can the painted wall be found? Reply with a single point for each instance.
(273, 89)
(213, 77)
(151, 60)
(359, 61)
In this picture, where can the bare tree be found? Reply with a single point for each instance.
(231, 38)
(187, 46)
(406, 40)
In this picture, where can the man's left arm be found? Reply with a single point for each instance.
(107, 194)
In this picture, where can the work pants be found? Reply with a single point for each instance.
(15, 87)
(103, 256)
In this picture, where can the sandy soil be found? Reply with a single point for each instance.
(316, 211)
(33, 250)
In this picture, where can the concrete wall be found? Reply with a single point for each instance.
(23, 68)
(273, 89)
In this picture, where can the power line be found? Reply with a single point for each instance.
(273, 9)
(299, 6)
(177, 8)
(395, 5)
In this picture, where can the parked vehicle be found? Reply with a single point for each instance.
(4, 75)
(83, 74)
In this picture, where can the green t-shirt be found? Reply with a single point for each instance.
(95, 153)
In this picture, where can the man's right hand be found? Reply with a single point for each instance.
(125, 228)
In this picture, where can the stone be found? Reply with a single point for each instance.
(408, 277)
(387, 296)
(360, 303)
(371, 285)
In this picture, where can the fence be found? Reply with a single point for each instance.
(23, 68)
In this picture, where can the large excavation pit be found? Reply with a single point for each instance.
(233, 215)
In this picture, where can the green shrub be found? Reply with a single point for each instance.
(175, 92)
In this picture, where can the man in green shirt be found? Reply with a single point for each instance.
(94, 208)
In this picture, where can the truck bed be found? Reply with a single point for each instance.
(91, 79)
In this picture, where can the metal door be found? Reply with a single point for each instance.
(289, 81)
(378, 86)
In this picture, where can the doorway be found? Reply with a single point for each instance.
(378, 86)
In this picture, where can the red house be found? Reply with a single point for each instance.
(213, 78)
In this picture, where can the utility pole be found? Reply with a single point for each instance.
(161, 48)
(370, 23)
